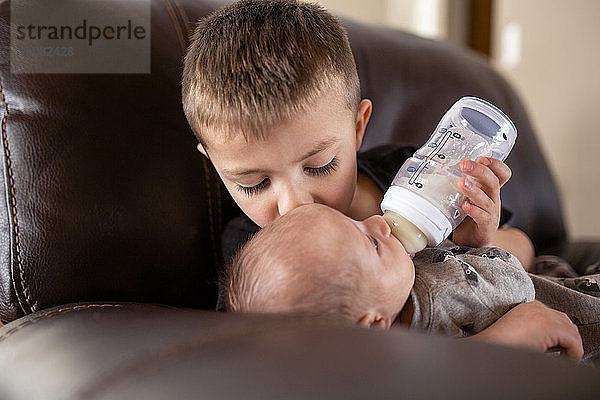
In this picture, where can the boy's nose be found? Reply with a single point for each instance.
(292, 199)
(378, 224)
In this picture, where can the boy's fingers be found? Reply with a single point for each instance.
(476, 195)
(481, 217)
(489, 182)
(569, 337)
(573, 346)
(499, 168)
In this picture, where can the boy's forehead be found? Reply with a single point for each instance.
(238, 156)
(321, 117)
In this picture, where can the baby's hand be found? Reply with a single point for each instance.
(483, 206)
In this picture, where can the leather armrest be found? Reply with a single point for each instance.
(135, 351)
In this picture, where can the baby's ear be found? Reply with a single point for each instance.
(373, 320)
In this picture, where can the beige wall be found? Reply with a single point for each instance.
(547, 49)
(424, 17)
(557, 75)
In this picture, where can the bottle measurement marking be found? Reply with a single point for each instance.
(436, 151)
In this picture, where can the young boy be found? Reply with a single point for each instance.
(316, 261)
(271, 91)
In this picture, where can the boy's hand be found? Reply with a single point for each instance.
(483, 207)
(535, 326)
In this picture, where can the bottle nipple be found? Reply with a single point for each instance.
(406, 232)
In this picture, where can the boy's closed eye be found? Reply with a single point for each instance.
(253, 190)
(323, 170)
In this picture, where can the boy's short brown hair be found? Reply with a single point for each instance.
(255, 63)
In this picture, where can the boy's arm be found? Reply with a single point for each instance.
(483, 208)
(480, 228)
(517, 243)
(535, 326)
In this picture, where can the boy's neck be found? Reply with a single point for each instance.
(366, 200)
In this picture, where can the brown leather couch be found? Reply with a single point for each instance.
(109, 209)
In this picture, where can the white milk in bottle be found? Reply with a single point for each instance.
(423, 204)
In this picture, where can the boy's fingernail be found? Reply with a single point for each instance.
(485, 161)
(467, 165)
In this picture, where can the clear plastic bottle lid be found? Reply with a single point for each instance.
(424, 215)
(487, 120)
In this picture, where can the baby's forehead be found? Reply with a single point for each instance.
(317, 230)
(319, 214)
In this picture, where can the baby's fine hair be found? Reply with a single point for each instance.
(272, 274)
(255, 63)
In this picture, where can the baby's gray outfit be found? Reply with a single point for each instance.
(460, 291)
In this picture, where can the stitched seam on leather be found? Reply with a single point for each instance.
(210, 209)
(184, 17)
(176, 25)
(13, 207)
(183, 43)
(52, 313)
(219, 206)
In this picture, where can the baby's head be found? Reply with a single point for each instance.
(316, 261)
(271, 91)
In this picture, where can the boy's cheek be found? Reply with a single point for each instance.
(256, 211)
(250, 206)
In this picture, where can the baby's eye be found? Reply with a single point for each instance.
(324, 170)
(374, 241)
(253, 190)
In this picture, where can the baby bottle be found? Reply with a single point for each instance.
(423, 205)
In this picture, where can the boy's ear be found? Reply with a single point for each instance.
(362, 118)
(202, 150)
(373, 320)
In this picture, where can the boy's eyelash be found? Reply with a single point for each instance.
(325, 169)
(315, 171)
(253, 190)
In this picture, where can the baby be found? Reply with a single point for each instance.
(315, 260)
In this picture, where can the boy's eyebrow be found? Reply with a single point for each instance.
(322, 145)
(242, 172)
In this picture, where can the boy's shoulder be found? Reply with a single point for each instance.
(381, 163)
(236, 233)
